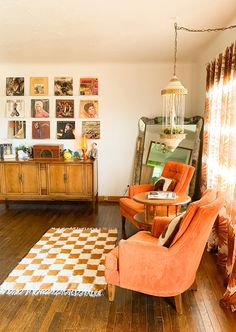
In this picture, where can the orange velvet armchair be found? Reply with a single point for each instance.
(182, 173)
(141, 264)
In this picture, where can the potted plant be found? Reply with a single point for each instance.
(23, 152)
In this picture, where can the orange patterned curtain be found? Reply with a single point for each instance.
(219, 161)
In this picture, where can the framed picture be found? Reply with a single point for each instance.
(64, 108)
(6, 151)
(63, 86)
(16, 129)
(15, 86)
(88, 86)
(40, 129)
(38, 86)
(157, 156)
(40, 108)
(88, 109)
(66, 129)
(91, 129)
(15, 108)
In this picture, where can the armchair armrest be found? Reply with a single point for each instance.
(140, 188)
(142, 262)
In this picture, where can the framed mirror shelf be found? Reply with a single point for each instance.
(151, 155)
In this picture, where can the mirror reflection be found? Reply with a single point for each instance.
(158, 155)
(151, 155)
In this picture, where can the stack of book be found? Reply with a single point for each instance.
(11, 156)
(161, 195)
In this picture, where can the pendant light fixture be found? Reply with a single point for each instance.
(172, 132)
(173, 97)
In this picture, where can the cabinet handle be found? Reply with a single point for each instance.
(20, 177)
(65, 177)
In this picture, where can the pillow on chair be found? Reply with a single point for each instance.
(167, 236)
(164, 184)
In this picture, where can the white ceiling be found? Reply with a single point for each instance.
(106, 30)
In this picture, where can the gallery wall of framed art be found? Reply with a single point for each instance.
(125, 93)
(50, 108)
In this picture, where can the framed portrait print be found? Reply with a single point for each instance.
(65, 129)
(15, 86)
(88, 109)
(88, 86)
(91, 129)
(63, 86)
(64, 108)
(38, 86)
(15, 108)
(40, 129)
(40, 108)
(16, 129)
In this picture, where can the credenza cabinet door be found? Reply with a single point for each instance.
(30, 179)
(21, 178)
(71, 179)
(12, 175)
(75, 179)
(56, 179)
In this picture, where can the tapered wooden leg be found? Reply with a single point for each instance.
(178, 304)
(123, 227)
(194, 286)
(111, 292)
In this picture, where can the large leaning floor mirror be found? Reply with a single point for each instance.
(151, 155)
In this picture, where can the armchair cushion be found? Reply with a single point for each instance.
(167, 236)
(165, 184)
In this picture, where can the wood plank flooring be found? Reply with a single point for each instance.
(23, 224)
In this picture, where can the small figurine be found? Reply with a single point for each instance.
(76, 155)
(93, 152)
(67, 154)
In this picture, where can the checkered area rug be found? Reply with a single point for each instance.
(66, 261)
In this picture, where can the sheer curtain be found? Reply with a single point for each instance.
(219, 161)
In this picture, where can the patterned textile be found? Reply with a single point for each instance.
(219, 161)
(165, 184)
(66, 261)
(168, 235)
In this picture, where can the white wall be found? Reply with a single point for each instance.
(126, 92)
(220, 41)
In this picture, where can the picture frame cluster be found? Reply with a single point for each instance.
(61, 106)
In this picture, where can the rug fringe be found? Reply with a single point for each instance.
(92, 228)
(52, 292)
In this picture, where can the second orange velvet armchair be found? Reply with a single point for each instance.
(141, 264)
(180, 172)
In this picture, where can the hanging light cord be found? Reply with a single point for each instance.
(206, 30)
(195, 30)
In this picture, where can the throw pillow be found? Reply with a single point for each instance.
(167, 236)
(164, 184)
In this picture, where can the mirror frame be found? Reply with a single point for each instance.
(194, 188)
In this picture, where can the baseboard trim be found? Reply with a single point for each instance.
(109, 198)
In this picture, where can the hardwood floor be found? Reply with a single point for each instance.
(23, 224)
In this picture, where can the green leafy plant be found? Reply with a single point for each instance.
(25, 149)
(174, 131)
